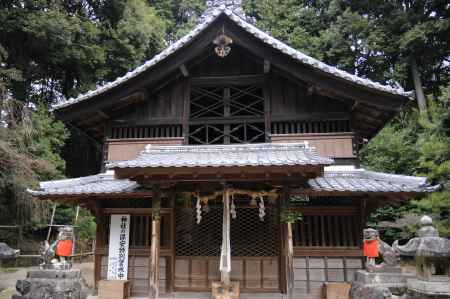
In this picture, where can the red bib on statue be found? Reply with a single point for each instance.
(371, 248)
(64, 248)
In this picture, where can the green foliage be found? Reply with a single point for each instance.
(139, 35)
(416, 145)
(27, 155)
(288, 215)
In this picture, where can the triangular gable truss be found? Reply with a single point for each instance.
(259, 34)
(325, 79)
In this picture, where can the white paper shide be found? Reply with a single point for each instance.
(118, 247)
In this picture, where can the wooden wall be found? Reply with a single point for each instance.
(310, 273)
(238, 62)
(165, 104)
(289, 98)
(255, 274)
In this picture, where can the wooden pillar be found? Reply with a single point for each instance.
(267, 107)
(290, 263)
(100, 237)
(225, 254)
(289, 249)
(154, 250)
(186, 109)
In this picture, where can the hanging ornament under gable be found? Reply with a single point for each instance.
(262, 209)
(222, 42)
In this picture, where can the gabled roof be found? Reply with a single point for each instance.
(239, 155)
(238, 19)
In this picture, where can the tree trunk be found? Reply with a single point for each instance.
(421, 101)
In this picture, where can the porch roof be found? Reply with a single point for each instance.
(350, 179)
(346, 179)
(100, 184)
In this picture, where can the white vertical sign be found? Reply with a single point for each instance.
(118, 247)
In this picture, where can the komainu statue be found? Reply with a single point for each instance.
(374, 247)
(57, 255)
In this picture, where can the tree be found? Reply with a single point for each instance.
(418, 146)
(139, 35)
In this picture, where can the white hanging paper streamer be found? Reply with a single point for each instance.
(262, 209)
(199, 210)
(233, 208)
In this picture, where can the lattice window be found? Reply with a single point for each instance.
(141, 230)
(246, 101)
(215, 114)
(227, 134)
(249, 236)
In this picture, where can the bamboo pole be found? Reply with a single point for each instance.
(51, 222)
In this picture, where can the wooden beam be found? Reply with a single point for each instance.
(226, 80)
(184, 70)
(154, 250)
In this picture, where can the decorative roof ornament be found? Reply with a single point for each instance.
(222, 42)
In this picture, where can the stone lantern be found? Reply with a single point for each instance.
(432, 256)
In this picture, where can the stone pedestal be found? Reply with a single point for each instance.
(219, 291)
(54, 284)
(378, 285)
(428, 289)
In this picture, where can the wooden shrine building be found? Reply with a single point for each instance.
(211, 144)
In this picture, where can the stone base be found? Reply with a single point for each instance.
(383, 269)
(219, 291)
(365, 277)
(55, 284)
(428, 289)
(378, 285)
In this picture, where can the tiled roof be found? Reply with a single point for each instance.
(264, 154)
(237, 17)
(361, 180)
(344, 180)
(104, 183)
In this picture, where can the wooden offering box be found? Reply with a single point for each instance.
(113, 289)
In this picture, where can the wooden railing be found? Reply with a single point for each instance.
(328, 231)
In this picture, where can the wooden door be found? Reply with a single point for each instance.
(254, 245)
